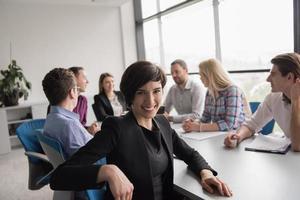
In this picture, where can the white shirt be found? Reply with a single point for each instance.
(188, 102)
(273, 107)
(116, 106)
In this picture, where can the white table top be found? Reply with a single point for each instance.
(195, 135)
(250, 175)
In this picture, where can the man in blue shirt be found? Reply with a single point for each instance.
(62, 123)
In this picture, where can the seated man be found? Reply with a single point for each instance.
(187, 96)
(62, 123)
(282, 104)
(81, 107)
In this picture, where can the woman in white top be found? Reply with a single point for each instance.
(108, 102)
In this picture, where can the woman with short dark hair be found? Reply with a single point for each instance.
(139, 147)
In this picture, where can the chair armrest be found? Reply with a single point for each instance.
(40, 156)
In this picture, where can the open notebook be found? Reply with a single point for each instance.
(269, 144)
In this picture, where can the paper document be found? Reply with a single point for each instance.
(197, 135)
(270, 144)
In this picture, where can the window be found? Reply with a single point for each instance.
(245, 35)
(254, 85)
(149, 8)
(254, 31)
(190, 41)
(151, 37)
(164, 4)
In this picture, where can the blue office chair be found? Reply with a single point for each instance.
(56, 155)
(39, 165)
(268, 128)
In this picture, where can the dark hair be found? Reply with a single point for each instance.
(179, 62)
(288, 63)
(76, 70)
(57, 83)
(137, 75)
(101, 79)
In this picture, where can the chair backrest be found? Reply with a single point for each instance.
(268, 128)
(95, 194)
(55, 153)
(52, 148)
(39, 168)
(27, 136)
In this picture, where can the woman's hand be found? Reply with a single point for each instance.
(210, 182)
(120, 187)
(190, 125)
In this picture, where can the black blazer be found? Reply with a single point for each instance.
(121, 141)
(102, 107)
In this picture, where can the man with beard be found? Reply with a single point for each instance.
(82, 104)
(186, 96)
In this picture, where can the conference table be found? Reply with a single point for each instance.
(250, 175)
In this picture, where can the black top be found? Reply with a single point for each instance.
(102, 106)
(122, 141)
(158, 159)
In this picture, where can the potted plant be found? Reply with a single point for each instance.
(13, 85)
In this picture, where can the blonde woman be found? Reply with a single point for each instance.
(225, 103)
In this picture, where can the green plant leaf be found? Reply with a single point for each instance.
(13, 83)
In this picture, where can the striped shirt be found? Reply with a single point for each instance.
(227, 110)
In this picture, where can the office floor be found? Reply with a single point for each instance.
(14, 177)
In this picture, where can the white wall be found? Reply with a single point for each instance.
(44, 36)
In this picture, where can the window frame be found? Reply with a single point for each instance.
(139, 20)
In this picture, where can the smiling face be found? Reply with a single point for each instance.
(278, 82)
(147, 100)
